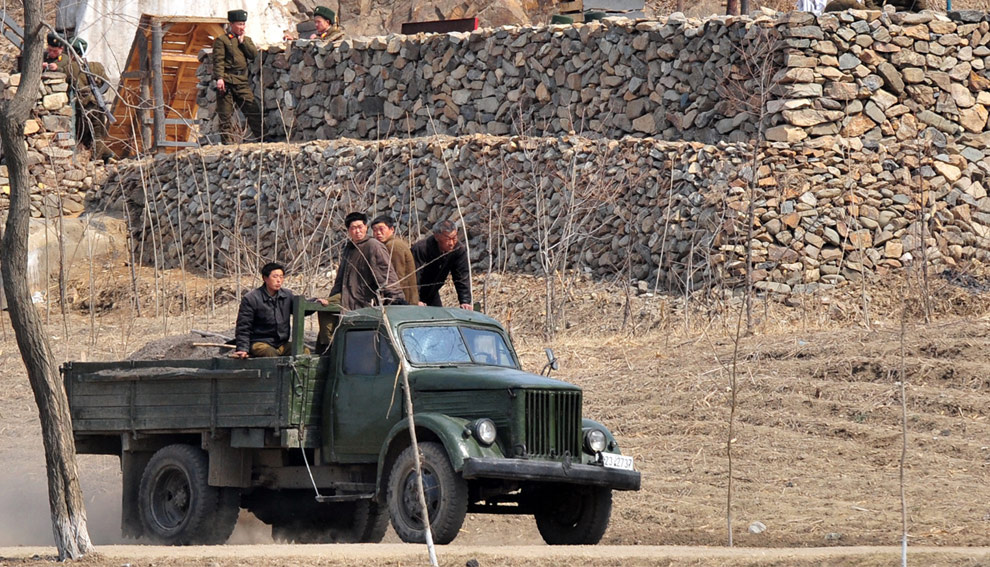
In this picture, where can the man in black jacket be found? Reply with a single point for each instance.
(437, 257)
(263, 318)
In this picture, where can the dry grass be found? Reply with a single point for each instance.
(817, 438)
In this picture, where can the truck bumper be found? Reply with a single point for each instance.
(550, 471)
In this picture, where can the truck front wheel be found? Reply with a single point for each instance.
(176, 504)
(446, 496)
(568, 515)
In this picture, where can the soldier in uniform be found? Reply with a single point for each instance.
(231, 54)
(325, 22)
(324, 19)
(55, 58)
(84, 77)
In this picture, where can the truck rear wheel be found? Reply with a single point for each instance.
(446, 496)
(573, 515)
(176, 504)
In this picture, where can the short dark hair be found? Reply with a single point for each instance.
(351, 217)
(270, 267)
(444, 226)
(385, 220)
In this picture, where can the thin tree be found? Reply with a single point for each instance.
(65, 498)
(757, 61)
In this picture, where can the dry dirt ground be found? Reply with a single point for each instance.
(816, 439)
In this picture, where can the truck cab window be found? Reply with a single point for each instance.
(487, 347)
(435, 345)
(360, 353)
(368, 353)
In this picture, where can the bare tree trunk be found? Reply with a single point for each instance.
(64, 493)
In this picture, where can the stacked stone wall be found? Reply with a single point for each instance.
(61, 178)
(668, 213)
(875, 75)
(876, 152)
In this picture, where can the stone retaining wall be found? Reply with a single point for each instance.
(875, 75)
(646, 209)
(61, 177)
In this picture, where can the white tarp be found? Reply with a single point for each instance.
(109, 25)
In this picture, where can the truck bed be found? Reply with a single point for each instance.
(255, 395)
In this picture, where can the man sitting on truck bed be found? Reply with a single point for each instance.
(263, 318)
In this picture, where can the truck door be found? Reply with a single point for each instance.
(364, 408)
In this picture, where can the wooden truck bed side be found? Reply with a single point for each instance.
(194, 395)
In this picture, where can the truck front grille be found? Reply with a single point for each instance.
(553, 424)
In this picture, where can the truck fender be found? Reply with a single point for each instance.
(452, 432)
(586, 424)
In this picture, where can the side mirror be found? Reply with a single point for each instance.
(551, 364)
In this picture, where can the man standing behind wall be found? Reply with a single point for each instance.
(231, 54)
(437, 257)
(383, 227)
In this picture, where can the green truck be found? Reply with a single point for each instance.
(319, 447)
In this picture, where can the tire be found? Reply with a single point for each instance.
(362, 521)
(446, 496)
(568, 515)
(369, 525)
(176, 504)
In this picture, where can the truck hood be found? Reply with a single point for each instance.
(476, 377)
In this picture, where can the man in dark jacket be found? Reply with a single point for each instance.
(231, 54)
(263, 318)
(437, 257)
(365, 276)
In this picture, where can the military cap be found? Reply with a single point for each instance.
(237, 16)
(325, 13)
(80, 45)
(55, 41)
(558, 19)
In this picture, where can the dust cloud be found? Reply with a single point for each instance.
(25, 518)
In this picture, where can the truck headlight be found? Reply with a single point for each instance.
(484, 431)
(594, 441)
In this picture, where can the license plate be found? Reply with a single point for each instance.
(613, 461)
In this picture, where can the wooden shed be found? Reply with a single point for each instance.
(156, 107)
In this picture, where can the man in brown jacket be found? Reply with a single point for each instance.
(231, 54)
(383, 227)
(364, 278)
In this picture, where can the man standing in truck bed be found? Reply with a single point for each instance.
(364, 277)
(437, 257)
(231, 54)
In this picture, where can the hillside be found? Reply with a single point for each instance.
(817, 434)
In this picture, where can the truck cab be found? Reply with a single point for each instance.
(320, 447)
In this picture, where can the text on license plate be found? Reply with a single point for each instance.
(613, 461)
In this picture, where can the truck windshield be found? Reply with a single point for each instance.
(456, 345)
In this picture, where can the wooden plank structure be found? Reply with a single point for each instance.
(573, 9)
(10, 30)
(156, 103)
